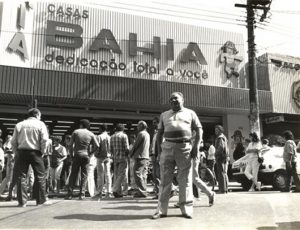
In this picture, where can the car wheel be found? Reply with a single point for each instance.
(280, 180)
(246, 184)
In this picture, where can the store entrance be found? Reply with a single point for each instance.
(65, 125)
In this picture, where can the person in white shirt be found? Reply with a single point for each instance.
(254, 151)
(30, 140)
(211, 159)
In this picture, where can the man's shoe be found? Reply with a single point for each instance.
(139, 195)
(155, 197)
(131, 191)
(117, 195)
(176, 205)
(97, 197)
(22, 205)
(68, 197)
(81, 197)
(220, 192)
(211, 199)
(187, 216)
(296, 191)
(108, 195)
(158, 215)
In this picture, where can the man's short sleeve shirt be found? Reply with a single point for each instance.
(179, 125)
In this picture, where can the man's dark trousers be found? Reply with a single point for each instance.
(35, 159)
(222, 177)
(80, 161)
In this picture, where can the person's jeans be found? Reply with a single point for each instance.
(176, 154)
(131, 173)
(140, 175)
(197, 180)
(211, 166)
(35, 159)
(292, 172)
(81, 162)
(156, 173)
(103, 172)
(222, 177)
(119, 175)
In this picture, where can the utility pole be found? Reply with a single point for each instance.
(253, 93)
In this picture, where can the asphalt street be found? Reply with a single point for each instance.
(265, 210)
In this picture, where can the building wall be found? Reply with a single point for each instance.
(209, 41)
(87, 90)
(284, 77)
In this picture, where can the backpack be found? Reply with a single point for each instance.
(103, 149)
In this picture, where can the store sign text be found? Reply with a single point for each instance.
(61, 11)
(68, 35)
(287, 65)
(18, 42)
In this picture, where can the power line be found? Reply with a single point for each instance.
(167, 14)
(286, 11)
(195, 8)
(174, 11)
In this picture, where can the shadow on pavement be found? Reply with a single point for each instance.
(282, 226)
(134, 201)
(93, 217)
(131, 207)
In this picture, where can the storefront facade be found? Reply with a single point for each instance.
(281, 75)
(79, 61)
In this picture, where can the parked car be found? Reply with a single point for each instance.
(271, 172)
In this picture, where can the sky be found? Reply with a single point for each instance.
(278, 33)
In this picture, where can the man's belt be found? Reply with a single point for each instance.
(179, 141)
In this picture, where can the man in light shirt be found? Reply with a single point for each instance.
(175, 127)
(30, 140)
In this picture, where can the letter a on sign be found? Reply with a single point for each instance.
(106, 40)
(193, 53)
(18, 44)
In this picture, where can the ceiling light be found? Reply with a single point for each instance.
(62, 126)
(8, 119)
(66, 122)
(59, 130)
(8, 124)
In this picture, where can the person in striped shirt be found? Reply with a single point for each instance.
(175, 128)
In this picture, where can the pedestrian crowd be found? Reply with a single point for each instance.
(112, 166)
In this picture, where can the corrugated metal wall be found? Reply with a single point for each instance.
(209, 41)
(281, 81)
(55, 87)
